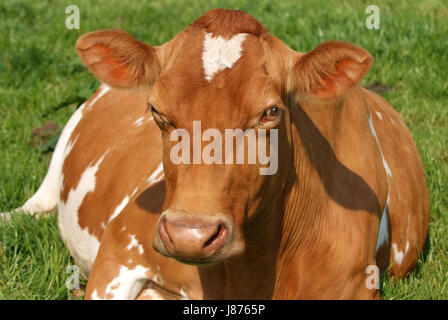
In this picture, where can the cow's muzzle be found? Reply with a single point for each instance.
(192, 238)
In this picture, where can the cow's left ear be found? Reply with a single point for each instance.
(118, 59)
(329, 70)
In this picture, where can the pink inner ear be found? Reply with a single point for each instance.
(100, 60)
(347, 73)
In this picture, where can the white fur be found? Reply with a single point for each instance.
(127, 285)
(157, 175)
(135, 244)
(399, 255)
(379, 115)
(82, 245)
(383, 232)
(104, 88)
(183, 294)
(121, 206)
(46, 197)
(139, 121)
(220, 53)
(152, 293)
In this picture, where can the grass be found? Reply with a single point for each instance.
(39, 70)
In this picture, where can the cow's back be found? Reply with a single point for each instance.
(114, 151)
(408, 205)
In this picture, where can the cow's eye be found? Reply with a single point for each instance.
(160, 119)
(271, 114)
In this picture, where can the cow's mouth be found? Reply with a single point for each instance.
(194, 239)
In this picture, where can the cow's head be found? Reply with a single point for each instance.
(224, 72)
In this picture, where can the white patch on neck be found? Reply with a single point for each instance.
(121, 206)
(220, 53)
(104, 88)
(157, 175)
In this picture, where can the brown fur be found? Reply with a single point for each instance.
(310, 230)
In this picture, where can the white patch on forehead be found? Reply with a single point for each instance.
(157, 175)
(134, 244)
(127, 285)
(219, 53)
(82, 245)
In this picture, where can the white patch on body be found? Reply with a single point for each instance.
(379, 115)
(46, 197)
(219, 53)
(183, 294)
(139, 121)
(383, 234)
(157, 175)
(104, 88)
(127, 285)
(151, 293)
(158, 279)
(135, 244)
(399, 255)
(82, 245)
(387, 168)
(121, 206)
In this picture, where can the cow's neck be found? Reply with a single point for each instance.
(296, 219)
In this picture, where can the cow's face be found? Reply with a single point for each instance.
(219, 99)
(212, 125)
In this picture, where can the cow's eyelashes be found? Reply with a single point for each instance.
(271, 114)
(159, 118)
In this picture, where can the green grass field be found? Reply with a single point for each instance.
(39, 70)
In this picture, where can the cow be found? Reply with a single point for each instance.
(348, 195)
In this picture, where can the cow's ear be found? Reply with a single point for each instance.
(118, 59)
(329, 70)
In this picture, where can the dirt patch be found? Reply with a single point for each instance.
(45, 136)
(379, 87)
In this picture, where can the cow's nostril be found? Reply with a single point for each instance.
(217, 239)
(163, 232)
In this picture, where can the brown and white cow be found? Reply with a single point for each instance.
(349, 192)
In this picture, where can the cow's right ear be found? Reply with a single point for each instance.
(118, 59)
